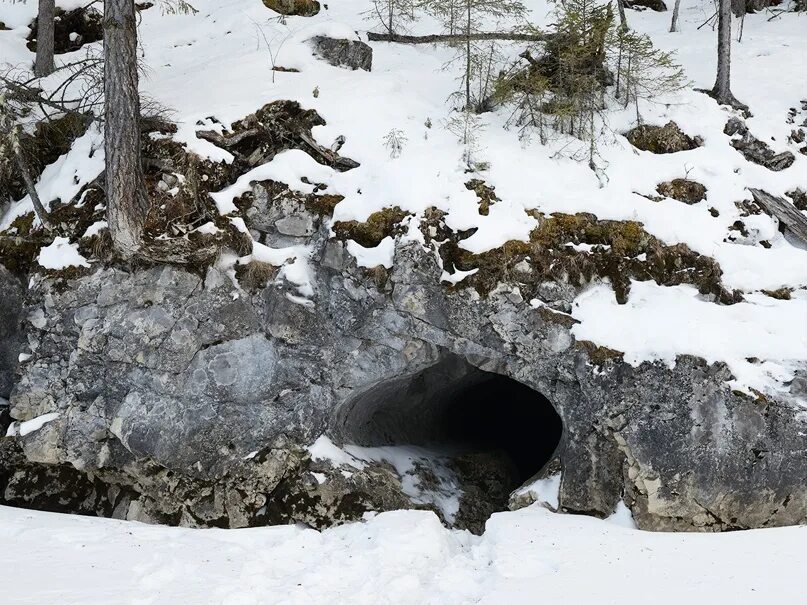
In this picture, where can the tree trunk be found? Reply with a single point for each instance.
(722, 88)
(30, 186)
(468, 58)
(43, 65)
(127, 201)
(674, 22)
(448, 38)
(623, 20)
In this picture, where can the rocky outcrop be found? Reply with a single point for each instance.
(662, 139)
(188, 399)
(297, 8)
(11, 302)
(352, 54)
(656, 5)
(72, 29)
(755, 150)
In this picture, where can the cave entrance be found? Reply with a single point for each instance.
(497, 432)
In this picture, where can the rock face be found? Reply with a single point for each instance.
(185, 399)
(298, 8)
(10, 308)
(352, 54)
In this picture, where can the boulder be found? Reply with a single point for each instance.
(352, 54)
(683, 190)
(297, 8)
(662, 139)
(654, 5)
(755, 150)
(72, 29)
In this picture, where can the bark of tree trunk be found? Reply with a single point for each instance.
(468, 58)
(674, 22)
(43, 65)
(30, 186)
(722, 88)
(127, 201)
(623, 20)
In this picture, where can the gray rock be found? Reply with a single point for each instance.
(11, 302)
(353, 54)
(755, 150)
(189, 401)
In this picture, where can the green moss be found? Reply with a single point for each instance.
(620, 251)
(370, 233)
(600, 356)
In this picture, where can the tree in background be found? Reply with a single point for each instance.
(463, 18)
(583, 63)
(127, 200)
(392, 15)
(44, 65)
(722, 88)
(674, 20)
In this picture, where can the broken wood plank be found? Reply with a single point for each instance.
(794, 221)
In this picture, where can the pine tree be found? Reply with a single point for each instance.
(464, 18)
(392, 15)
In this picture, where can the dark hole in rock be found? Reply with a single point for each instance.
(495, 432)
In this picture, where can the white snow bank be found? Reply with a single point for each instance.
(60, 255)
(657, 323)
(400, 558)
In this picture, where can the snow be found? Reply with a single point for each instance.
(658, 323)
(527, 556)
(60, 255)
(29, 426)
(408, 461)
(381, 255)
(545, 491)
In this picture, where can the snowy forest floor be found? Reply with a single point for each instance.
(529, 556)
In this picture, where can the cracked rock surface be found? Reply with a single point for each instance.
(187, 400)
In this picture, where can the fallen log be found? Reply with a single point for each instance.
(794, 221)
(444, 38)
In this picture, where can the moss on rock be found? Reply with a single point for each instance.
(683, 190)
(661, 139)
(370, 233)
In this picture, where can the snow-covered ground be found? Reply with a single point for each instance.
(530, 556)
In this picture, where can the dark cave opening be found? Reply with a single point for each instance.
(497, 431)
(501, 414)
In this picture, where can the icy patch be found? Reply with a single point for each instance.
(60, 255)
